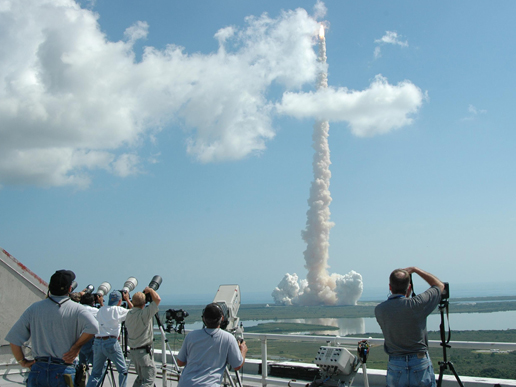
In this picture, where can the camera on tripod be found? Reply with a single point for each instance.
(445, 295)
(228, 299)
(177, 318)
(154, 285)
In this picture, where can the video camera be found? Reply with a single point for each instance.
(228, 298)
(154, 285)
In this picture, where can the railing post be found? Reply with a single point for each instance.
(264, 360)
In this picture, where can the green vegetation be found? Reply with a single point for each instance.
(363, 309)
(284, 328)
(466, 362)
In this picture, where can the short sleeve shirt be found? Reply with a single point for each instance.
(206, 353)
(139, 325)
(52, 326)
(403, 321)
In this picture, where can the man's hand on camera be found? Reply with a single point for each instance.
(125, 296)
(243, 347)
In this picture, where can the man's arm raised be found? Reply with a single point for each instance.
(431, 279)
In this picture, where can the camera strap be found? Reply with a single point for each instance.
(58, 303)
(443, 329)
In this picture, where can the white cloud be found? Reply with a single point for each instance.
(473, 113)
(390, 37)
(379, 109)
(71, 101)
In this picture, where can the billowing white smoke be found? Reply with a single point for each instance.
(321, 287)
(336, 290)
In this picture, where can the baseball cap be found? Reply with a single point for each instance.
(60, 282)
(114, 297)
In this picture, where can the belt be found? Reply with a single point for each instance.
(106, 337)
(419, 355)
(142, 347)
(52, 360)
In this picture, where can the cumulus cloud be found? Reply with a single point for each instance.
(390, 37)
(473, 112)
(72, 102)
(379, 109)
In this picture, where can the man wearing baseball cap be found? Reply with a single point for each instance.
(106, 345)
(57, 328)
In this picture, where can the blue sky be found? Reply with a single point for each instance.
(113, 167)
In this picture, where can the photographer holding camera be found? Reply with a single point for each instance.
(205, 352)
(57, 328)
(403, 323)
(140, 336)
(106, 345)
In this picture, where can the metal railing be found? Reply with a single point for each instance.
(352, 341)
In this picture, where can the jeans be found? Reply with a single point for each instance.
(86, 353)
(103, 350)
(410, 370)
(46, 374)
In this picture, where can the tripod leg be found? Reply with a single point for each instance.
(442, 367)
(452, 368)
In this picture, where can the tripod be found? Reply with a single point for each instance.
(164, 346)
(445, 364)
(109, 368)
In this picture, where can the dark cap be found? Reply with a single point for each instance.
(60, 282)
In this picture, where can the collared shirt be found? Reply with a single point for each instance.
(206, 353)
(52, 326)
(139, 325)
(110, 319)
(403, 321)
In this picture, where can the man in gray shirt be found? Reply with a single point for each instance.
(403, 323)
(140, 335)
(57, 328)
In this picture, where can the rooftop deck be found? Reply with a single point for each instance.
(252, 375)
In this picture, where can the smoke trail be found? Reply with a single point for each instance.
(320, 287)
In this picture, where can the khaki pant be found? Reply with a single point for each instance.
(144, 366)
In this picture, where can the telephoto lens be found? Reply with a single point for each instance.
(74, 285)
(89, 289)
(130, 284)
(154, 285)
(155, 282)
(103, 288)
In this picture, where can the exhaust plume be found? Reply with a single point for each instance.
(320, 287)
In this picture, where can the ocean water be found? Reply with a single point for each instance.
(371, 293)
(348, 326)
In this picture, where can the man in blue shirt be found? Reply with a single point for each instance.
(403, 323)
(205, 352)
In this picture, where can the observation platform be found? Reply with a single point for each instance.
(265, 372)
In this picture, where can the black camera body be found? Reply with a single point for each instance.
(178, 315)
(445, 293)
